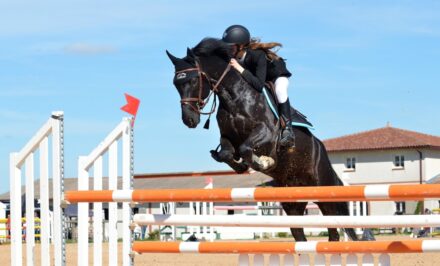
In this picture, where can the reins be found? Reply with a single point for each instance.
(200, 102)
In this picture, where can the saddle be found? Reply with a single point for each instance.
(298, 118)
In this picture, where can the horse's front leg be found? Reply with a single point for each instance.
(226, 155)
(259, 137)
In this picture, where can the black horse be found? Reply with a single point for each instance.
(250, 130)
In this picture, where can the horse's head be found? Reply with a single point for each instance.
(193, 86)
(195, 76)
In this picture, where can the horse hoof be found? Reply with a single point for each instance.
(215, 156)
(240, 168)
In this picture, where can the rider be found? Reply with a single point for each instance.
(257, 63)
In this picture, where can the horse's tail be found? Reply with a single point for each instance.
(342, 207)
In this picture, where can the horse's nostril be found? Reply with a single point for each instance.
(191, 121)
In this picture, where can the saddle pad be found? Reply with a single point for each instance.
(298, 119)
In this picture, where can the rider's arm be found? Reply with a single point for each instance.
(257, 81)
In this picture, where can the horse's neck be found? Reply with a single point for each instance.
(235, 86)
(230, 92)
(235, 94)
(238, 97)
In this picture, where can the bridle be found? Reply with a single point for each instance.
(200, 102)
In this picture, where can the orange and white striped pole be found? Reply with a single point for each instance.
(284, 194)
(410, 246)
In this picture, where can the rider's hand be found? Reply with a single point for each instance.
(234, 63)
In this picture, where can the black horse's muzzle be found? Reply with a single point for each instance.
(189, 117)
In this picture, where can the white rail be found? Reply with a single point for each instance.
(288, 221)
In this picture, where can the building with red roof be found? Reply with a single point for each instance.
(386, 155)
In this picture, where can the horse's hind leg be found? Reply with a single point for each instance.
(296, 208)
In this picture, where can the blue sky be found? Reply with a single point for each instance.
(356, 65)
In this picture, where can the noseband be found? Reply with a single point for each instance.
(200, 102)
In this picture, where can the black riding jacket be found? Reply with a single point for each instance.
(258, 69)
(255, 67)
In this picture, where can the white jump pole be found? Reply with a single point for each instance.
(30, 208)
(124, 132)
(16, 210)
(358, 213)
(208, 206)
(97, 213)
(288, 221)
(58, 189)
(127, 184)
(83, 215)
(45, 231)
(54, 126)
(198, 229)
(113, 206)
(192, 213)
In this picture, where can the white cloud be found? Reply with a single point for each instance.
(27, 93)
(55, 17)
(89, 49)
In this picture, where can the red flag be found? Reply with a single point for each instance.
(132, 105)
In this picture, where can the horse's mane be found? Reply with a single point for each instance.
(210, 46)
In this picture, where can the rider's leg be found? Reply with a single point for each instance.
(287, 136)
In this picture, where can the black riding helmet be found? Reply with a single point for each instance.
(236, 34)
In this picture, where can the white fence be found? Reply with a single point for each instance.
(25, 159)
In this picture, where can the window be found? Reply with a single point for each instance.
(366, 206)
(166, 208)
(400, 207)
(351, 163)
(399, 161)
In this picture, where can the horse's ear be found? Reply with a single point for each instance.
(190, 56)
(190, 53)
(173, 59)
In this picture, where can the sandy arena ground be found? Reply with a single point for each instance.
(427, 259)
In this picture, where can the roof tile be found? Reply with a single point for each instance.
(382, 138)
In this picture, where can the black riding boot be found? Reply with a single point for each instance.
(287, 136)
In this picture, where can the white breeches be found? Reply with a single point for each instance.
(281, 85)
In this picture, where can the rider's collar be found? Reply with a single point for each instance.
(241, 59)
